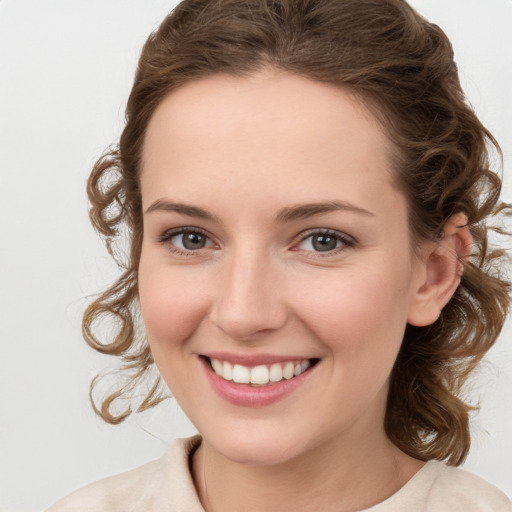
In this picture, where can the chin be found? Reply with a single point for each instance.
(258, 446)
(252, 454)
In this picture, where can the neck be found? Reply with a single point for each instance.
(342, 475)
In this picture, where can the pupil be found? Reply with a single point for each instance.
(194, 241)
(324, 243)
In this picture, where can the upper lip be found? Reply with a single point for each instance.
(254, 359)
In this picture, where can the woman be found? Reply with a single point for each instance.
(306, 193)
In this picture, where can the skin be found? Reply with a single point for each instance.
(244, 149)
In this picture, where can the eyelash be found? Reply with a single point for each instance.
(165, 239)
(346, 241)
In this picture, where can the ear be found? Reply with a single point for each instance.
(442, 266)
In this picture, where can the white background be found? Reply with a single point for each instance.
(65, 72)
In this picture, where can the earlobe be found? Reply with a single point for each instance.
(442, 268)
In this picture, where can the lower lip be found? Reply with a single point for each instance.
(253, 396)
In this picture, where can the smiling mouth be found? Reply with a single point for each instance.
(261, 375)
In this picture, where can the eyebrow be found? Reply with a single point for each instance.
(286, 214)
(184, 209)
(303, 211)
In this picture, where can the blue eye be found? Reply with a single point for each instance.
(186, 240)
(324, 241)
(190, 241)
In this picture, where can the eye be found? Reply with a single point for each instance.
(186, 240)
(324, 241)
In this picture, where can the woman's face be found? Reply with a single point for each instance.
(275, 242)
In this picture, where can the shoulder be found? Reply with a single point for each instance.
(109, 494)
(441, 488)
(456, 489)
(165, 482)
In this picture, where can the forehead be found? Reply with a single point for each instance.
(272, 133)
(270, 102)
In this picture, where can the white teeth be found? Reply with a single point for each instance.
(288, 370)
(241, 374)
(260, 375)
(217, 366)
(227, 371)
(276, 373)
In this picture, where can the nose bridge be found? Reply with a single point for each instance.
(247, 301)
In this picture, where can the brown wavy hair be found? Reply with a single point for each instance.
(402, 67)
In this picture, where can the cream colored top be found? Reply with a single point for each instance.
(165, 485)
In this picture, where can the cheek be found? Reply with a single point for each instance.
(172, 301)
(360, 315)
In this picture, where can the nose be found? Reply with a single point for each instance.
(248, 300)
